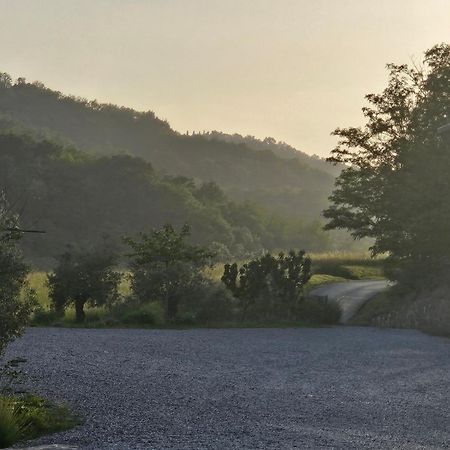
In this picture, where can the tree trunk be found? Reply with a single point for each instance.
(79, 310)
(172, 308)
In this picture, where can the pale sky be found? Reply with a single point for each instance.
(290, 69)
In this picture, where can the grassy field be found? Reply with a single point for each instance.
(326, 268)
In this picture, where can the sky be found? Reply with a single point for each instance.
(290, 69)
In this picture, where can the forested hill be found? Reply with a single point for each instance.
(287, 186)
(79, 199)
(280, 149)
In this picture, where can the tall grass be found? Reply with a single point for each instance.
(347, 265)
(13, 424)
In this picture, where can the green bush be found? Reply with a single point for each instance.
(208, 302)
(13, 424)
(44, 317)
(31, 416)
(148, 314)
(319, 312)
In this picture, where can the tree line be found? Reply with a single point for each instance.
(78, 198)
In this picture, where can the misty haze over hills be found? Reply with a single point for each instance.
(75, 168)
(274, 175)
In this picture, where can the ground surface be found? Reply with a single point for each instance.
(342, 387)
(351, 295)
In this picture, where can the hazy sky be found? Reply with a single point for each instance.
(291, 69)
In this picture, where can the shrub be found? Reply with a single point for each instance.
(44, 317)
(13, 424)
(148, 314)
(317, 311)
(15, 309)
(269, 287)
(31, 416)
(208, 302)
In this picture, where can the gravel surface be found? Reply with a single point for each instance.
(351, 295)
(342, 387)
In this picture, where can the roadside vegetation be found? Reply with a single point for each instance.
(27, 417)
(395, 191)
(22, 416)
(170, 282)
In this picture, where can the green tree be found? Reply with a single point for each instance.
(395, 188)
(269, 287)
(14, 310)
(164, 266)
(83, 277)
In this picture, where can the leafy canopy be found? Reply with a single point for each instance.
(269, 287)
(84, 277)
(164, 266)
(395, 188)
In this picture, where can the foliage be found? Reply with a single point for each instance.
(165, 266)
(12, 424)
(316, 311)
(31, 416)
(146, 314)
(84, 277)
(14, 310)
(396, 188)
(78, 198)
(288, 186)
(269, 287)
(208, 303)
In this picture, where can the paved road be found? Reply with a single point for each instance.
(351, 295)
(322, 388)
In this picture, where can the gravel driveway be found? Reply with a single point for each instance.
(318, 388)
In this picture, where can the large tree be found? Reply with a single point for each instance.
(165, 266)
(396, 187)
(84, 277)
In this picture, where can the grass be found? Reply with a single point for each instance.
(30, 416)
(326, 267)
(346, 266)
(378, 306)
(38, 282)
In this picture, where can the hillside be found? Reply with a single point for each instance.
(278, 148)
(80, 199)
(288, 186)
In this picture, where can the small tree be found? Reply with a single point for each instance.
(83, 277)
(164, 265)
(14, 310)
(270, 286)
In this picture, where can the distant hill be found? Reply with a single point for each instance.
(80, 199)
(278, 148)
(247, 169)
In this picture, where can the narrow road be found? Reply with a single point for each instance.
(351, 295)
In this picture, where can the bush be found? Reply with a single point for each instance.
(270, 287)
(13, 424)
(208, 302)
(319, 312)
(148, 314)
(16, 299)
(44, 317)
(31, 416)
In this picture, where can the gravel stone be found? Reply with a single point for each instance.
(323, 388)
